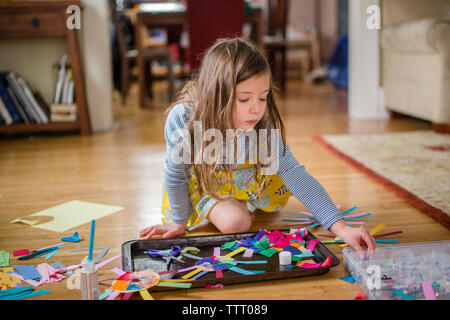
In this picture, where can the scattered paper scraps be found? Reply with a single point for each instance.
(73, 238)
(348, 278)
(428, 290)
(28, 272)
(403, 295)
(99, 256)
(36, 276)
(68, 215)
(7, 280)
(20, 293)
(360, 296)
(41, 252)
(308, 219)
(130, 282)
(4, 258)
(19, 253)
(214, 286)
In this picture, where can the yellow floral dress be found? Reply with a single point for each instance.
(242, 187)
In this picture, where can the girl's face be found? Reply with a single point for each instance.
(251, 101)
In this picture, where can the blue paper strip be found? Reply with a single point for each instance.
(250, 261)
(14, 291)
(241, 271)
(402, 294)
(24, 295)
(51, 254)
(105, 295)
(74, 238)
(29, 272)
(348, 278)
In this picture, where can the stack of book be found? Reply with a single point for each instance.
(63, 107)
(18, 103)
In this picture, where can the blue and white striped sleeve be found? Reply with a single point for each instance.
(177, 175)
(307, 189)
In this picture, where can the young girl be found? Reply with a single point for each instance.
(233, 90)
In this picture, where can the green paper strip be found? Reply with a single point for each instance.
(4, 258)
(349, 210)
(175, 284)
(268, 252)
(228, 245)
(263, 243)
(302, 216)
(362, 216)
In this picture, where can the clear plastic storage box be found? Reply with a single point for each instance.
(410, 271)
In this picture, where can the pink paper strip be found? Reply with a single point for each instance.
(297, 223)
(219, 274)
(118, 271)
(55, 245)
(217, 251)
(101, 264)
(187, 269)
(69, 268)
(127, 296)
(312, 244)
(307, 213)
(428, 290)
(310, 265)
(166, 272)
(355, 222)
(327, 262)
(113, 295)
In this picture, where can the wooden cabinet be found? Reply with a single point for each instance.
(47, 19)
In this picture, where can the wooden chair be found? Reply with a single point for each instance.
(129, 56)
(275, 41)
(222, 18)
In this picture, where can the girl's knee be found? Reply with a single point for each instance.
(231, 217)
(236, 224)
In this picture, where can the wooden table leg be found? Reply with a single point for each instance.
(140, 61)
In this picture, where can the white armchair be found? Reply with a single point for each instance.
(415, 53)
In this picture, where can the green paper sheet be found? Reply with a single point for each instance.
(4, 258)
(228, 245)
(175, 284)
(68, 215)
(268, 252)
(263, 243)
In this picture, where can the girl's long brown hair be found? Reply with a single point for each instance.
(211, 95)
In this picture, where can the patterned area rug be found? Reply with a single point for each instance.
(415, 165)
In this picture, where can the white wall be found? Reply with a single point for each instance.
(365, 96)
(97, 62)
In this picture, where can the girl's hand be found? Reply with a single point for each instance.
(354, 236)
(166, 230)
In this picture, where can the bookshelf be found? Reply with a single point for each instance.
(47, 19)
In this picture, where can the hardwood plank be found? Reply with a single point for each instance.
(124, 167)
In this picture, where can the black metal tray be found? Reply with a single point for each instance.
(134, 258)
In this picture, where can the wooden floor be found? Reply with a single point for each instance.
(123, 167)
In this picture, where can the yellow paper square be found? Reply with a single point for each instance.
(69, 215)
